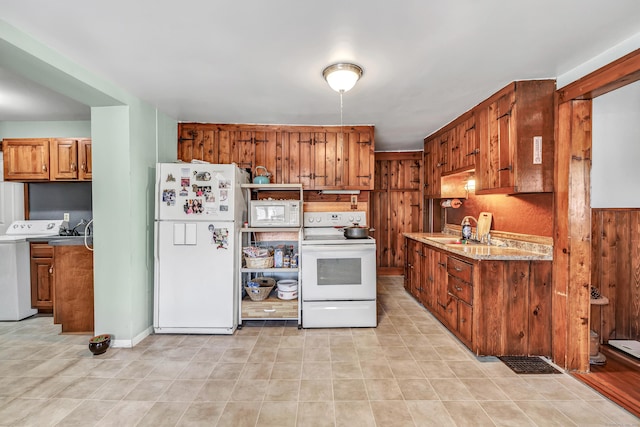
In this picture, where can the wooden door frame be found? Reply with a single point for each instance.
(572, 209)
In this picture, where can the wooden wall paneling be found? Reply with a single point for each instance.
(634, 279)
(380, 222)
(539, 309)
(579, 234)
(623, 290)
(607, 266)
(561, 247)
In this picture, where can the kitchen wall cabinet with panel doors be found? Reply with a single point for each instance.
(26, 159)
(70, 159)
(495, 307)
(516, 141)
(329, 158)
(41, 276)
(47, 159)
(246, 145)
(318, 157)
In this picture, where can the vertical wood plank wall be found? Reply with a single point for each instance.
(572, 246)
(616, 272)
(396, 206)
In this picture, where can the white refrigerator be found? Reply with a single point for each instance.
(199, 208)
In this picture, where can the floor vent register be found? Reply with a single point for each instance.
(528, 365)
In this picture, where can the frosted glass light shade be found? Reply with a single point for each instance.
(342, 77)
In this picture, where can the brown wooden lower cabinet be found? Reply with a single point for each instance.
(494, 307)
(41, 277)
(73, 297)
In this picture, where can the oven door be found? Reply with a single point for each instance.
(338, 272)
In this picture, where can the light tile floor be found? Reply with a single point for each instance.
(409, 371)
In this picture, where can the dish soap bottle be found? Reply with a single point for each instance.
(466, 229)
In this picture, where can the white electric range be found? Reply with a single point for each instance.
(338, 273)
(15, 271)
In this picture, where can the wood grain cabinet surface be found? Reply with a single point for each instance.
(42, 277)
(318, 157)
(73, 291)
(47, 159)
(494, 307)
(26, 159)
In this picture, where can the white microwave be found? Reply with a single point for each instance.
(274, 213)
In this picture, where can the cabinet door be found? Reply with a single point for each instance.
(64, 159)
(361, 159)
(431, 171)
(455, 148)
(465, 321)
(328, 160)
(441, 297)
(84, 160)
(468, 143)
(197, 142)
(298, 158)
(495, 163)
(26, 159)
(428, 277)
(268, 153)
(442, 150)
(42, 283)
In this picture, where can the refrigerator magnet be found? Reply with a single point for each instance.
(221, 238)
(202, 176)
(170, 178)
(185, 182)
(224, 183)
(169, 196)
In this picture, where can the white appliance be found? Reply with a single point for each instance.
(15, 275)
(199, 208)
(274, 213)
(339, 274)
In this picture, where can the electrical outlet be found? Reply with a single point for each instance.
(66, 216)
(354, 199)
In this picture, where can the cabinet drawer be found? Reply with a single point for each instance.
(460, 290)
(270, 308)
(41, 250)
(459, 269)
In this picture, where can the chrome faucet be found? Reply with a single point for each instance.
(80, 224)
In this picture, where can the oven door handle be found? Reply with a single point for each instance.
(339, 248)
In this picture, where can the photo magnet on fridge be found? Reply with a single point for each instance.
(221, 238)
(169, 196)
(202, 176)
(170, 178)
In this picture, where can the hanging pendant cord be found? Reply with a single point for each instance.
(341, 124)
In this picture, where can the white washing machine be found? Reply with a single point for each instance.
(15, 275)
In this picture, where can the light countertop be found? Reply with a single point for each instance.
(451, 243)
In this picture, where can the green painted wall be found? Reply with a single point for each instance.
(68, 129)
(129, 136)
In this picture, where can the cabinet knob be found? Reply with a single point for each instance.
(458, 288)
(83, 167)
(272, 310)
(44, 167)
(73, 167)
(51, 269)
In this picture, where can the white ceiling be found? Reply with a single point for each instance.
(257, 61)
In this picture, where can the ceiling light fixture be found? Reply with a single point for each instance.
(342, 77)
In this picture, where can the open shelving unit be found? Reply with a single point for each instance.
(271, 308)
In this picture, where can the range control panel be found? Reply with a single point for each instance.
(335, 219)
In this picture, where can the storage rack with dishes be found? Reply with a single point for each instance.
(272, 307)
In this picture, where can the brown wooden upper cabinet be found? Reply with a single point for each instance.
(516, 139)
(318, 157)
(47, 159)
(26, 159)
(507, 139)
(70, 159)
